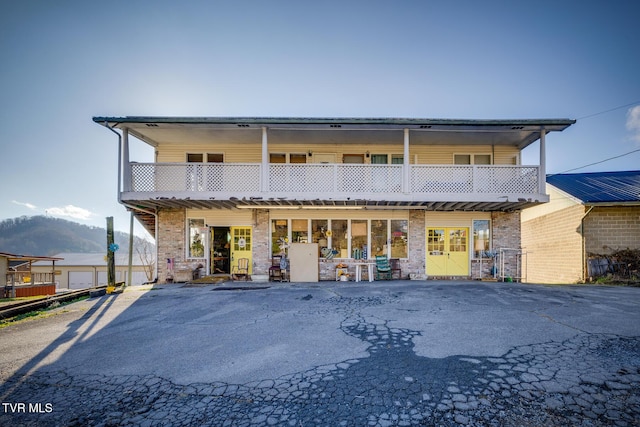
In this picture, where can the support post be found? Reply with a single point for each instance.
(126, 169)
(406, 164)
(264, 187)
(129, 273)
(542, 179)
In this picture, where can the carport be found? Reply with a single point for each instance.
(21, 281)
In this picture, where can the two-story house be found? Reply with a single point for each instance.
(435, 194)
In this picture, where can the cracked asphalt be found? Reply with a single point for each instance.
(397, 353)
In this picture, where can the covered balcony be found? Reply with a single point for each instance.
(245, 177)
(244, 185)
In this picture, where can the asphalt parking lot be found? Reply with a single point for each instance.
(405, 353)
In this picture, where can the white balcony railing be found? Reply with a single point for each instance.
(334, 179)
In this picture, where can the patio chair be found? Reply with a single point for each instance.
(275, 271)
(383, 269)
(395, 268)
(241, 270)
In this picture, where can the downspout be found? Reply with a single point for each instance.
(155, 215)
(106, 124)
(584, 244)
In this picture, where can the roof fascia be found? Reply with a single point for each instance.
(549, 124)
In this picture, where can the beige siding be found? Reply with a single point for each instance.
(223, 217)
(338, 214)
(454, 219)
(252, 152)
(233, 153)
(607, 229)
(553, 244)
(558, 200)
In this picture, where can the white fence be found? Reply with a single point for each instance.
(333, 178)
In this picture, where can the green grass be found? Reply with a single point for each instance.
(40, 313)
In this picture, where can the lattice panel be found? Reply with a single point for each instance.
(333, 178)
(441, 179)
(142, 177)
(231, 177)
(195, 177)
(501, 179)
(301, 178)
(328, 178)
(368, 178)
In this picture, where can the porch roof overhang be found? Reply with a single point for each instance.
(142, 208)
(156, 131)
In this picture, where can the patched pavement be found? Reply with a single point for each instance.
(397, 353)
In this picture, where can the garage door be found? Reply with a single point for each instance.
(103, 279)
(137, 277)
(80, 279)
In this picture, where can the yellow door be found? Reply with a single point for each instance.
(448, 251)
(241, 246)
(458, 254)
(436, 258)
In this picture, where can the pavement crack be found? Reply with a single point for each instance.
(553, 320)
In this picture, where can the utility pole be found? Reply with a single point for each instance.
(111, 248)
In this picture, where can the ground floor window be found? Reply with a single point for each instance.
(279, 232)
(399, 238)
(344, 238)
(481, 238)
(197, 235)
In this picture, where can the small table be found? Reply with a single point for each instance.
(359, 266)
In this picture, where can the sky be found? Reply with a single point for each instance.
(63, 62)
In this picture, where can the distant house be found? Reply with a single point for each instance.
(588, 214)
(432, 195)
(86, 270)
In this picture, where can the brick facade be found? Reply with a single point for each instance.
(506, 235)
(171, 241)
(417, 243)
(261, 235)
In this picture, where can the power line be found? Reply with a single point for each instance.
(597, 163)
(610, 158)
(609, 110)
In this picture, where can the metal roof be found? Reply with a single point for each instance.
(18, 257)
(159, 130)
(600, 187)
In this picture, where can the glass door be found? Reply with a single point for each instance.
(448, 251)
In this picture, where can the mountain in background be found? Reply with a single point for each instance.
(46, 236)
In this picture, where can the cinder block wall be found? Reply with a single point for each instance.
(554, 246)
(607, 229)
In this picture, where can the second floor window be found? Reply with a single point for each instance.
(472, 159)
(200, 157)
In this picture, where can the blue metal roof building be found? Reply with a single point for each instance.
(600, 187)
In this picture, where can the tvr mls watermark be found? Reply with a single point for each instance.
(27, 408)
